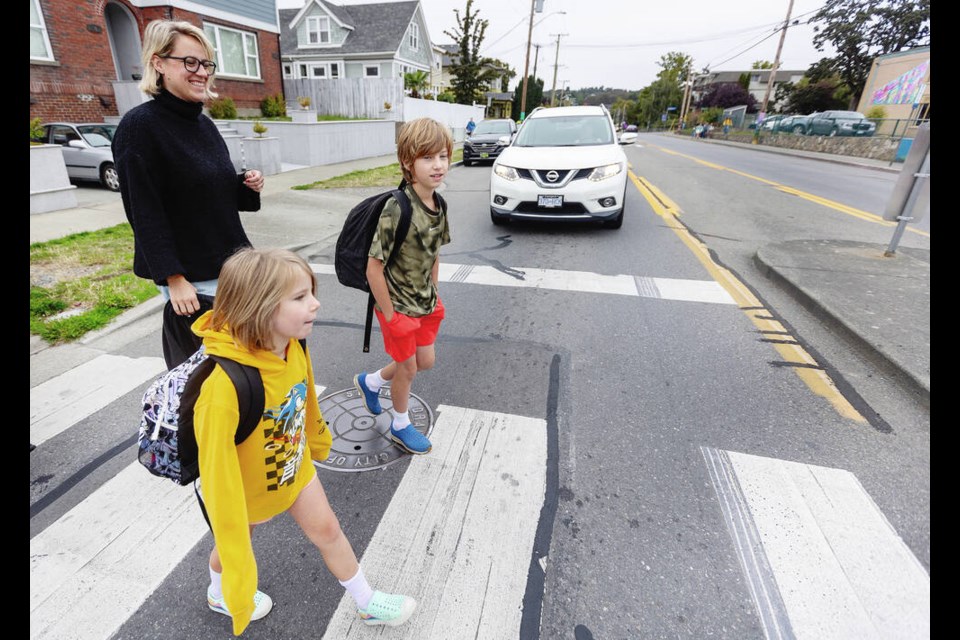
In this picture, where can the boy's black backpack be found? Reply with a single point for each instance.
(167, 443)
(353, 245)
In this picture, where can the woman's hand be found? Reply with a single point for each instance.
(253, 179)
(183, 296)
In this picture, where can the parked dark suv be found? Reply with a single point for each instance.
(488, 140)
(840, 123)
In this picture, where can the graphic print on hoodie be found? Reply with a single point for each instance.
(284, 445)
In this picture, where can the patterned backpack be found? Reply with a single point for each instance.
(167, 444)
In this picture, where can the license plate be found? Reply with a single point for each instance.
(484, 155)
(549, 201)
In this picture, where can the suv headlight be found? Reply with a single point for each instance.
(607, 171)
(505, 172)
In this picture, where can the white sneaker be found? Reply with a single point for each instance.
(262, 605)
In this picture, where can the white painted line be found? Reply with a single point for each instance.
(842, 570)
(708, 291)
(61, 402)
(458, 534)
(91, 569)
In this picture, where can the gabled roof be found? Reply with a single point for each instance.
(376, 27)
(719, 77)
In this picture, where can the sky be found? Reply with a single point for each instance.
(602, 43)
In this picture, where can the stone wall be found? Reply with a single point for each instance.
(875, 147)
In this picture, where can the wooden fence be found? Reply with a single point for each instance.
(349, 97)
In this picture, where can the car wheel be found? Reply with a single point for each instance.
(109, 177)
(798, 129)
(497, 220)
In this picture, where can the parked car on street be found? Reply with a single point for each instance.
(565, 165)
(792, 124)
(86, 150)
(840, 123)
(488, 140)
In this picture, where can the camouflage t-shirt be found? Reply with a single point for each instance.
(409, 280)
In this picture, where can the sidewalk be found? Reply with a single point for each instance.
(884, 302)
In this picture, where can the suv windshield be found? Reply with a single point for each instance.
(492, 126)
(565, 131)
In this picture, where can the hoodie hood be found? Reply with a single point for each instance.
(220, 343)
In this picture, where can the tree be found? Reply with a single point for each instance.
(821, 95)
(762, 64)
(861, 30)
(674, 66)
(534, 96)
(467, 64)
(728, 94)
(416, 81)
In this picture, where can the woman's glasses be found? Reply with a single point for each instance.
(192, 64)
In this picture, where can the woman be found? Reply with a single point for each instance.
(180, 191)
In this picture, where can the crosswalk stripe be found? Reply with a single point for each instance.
(61, 402)
(680, 289)
(839, 567)
(92, 568)
(458, 534)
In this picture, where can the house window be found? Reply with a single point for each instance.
(414, 36)
(334, 70)
(923, 114)
(303, 71)
(371, 71)
(755, 77)
(288, 71)
(39, 41)
(236, 51)
(318, 30)
(319, 71)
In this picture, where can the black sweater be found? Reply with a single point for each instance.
(180, 191)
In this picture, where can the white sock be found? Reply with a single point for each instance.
(400, 420)
(358, 587)
(216, 590)
(374, 381)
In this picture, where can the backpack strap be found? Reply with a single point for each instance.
(250, 396)
(403, 226)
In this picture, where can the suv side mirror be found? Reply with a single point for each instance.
(504, 140)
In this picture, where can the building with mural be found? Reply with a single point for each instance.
(900, 83)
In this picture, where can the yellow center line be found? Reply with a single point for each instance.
(808, 370)
(857, 213)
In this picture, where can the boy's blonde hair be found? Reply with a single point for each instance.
(421, 137)
(252, 284)
(159, 39)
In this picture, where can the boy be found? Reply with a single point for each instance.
(408, 306)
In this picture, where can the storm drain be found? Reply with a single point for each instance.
(361, 441)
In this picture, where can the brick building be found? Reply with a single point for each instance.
(85, 54)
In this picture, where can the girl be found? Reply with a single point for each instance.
(264, 305)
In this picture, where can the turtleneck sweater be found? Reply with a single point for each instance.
(180, 191)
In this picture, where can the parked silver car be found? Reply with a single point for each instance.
(86, 150)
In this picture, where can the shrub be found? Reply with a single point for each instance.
(387, 106)
(273, 106)
(304, 102)
(36, 131)
(223, 108)
(259, 128)
(876, 112)
(447, 96)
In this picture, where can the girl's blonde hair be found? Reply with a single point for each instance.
(421, 137)
(252, 284)
(159, 39)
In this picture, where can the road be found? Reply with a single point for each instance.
(618, 451)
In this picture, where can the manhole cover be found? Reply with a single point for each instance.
(361, 441)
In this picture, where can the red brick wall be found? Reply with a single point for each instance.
(78, 86)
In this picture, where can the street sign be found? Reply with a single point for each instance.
(663, 117)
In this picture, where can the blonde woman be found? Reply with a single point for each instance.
(180, 191)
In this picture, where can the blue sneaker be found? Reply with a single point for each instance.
(371, 399)
(387, 608)
(410, 439)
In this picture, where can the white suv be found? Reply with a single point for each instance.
(565, 164)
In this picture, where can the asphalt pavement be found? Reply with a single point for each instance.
(880, 300)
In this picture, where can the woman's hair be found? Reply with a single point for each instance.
(421, 137)
(252, 284)
(159, 39)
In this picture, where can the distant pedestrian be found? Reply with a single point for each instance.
(265, 305)
(471, 126)
(727, 123)
(180, 191)
(408, 304)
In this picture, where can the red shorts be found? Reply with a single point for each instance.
(403, 334)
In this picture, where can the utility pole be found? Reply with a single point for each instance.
(773, 72)
(526, 65)
(536, 57)
(556, 59)
(683, 103)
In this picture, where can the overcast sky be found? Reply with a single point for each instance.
(602, 43)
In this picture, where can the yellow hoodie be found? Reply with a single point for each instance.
(263, 475)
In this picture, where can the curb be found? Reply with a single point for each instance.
(814, 306)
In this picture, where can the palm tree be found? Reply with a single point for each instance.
(416, 81)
